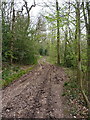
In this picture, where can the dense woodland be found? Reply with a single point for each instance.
(61, 33)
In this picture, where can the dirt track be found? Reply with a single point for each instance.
(37, 94)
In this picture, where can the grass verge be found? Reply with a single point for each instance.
(51, 60)
(11, 73)
(10, 77)
(74, 96)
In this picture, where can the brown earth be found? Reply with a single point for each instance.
(37, 94)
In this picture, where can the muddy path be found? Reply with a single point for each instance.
(37, 94)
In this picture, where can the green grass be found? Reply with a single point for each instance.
(51, 60)
(39, 57)
(9, 75)
(14, 72)
(73, 94)
(71, 86)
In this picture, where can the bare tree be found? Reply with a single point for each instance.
(28, 9)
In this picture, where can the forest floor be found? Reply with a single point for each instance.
(37, 94)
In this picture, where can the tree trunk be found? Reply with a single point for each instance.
(1, 22)
(58, 34)
(78, 42)
(88, 52)
(65, 51)
(12, 31)
(87, 24)
(88, 64)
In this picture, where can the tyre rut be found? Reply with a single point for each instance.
(37, 96)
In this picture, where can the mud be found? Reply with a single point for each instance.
(37, 94)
